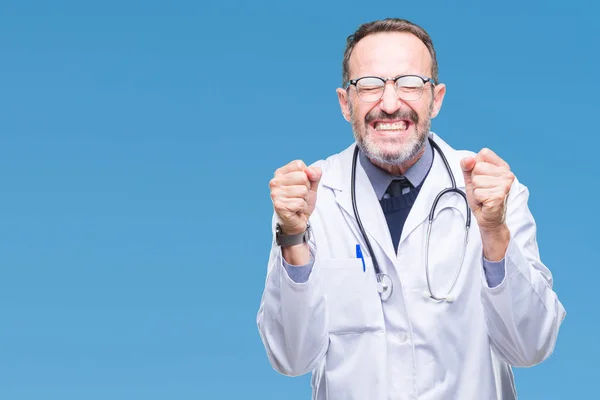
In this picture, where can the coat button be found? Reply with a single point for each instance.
(403, 338)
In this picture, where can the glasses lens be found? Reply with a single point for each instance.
(410, 88)
(369, 89)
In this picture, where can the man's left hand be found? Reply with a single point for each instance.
(488, 180)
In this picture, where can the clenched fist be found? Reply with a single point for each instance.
(488, 180)
(294, 195)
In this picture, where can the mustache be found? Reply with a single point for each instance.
(380, 115)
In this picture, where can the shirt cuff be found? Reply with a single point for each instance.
(299, 273)
(494, 272)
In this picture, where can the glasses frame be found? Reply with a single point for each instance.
(425, 79)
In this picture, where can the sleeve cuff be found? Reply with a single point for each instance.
(299, 273)
(494, 272)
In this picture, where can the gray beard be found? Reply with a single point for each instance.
(399, 157)
(396, 158)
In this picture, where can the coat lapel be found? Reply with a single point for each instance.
(371, 215)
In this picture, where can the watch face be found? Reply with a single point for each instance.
(277, 234)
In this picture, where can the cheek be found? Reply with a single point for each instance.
(358, 113)
(363, 110)
(424, 110)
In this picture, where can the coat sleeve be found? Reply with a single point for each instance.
(292, 316)
(523, 314)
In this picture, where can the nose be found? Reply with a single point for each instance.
(390, 102)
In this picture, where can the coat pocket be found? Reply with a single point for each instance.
(353, 303)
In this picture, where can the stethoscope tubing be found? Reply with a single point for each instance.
(453, 189)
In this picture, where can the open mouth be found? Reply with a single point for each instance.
(390, 126)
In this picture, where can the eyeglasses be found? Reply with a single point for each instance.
(408, 87)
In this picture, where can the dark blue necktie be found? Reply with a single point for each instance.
(396, 206)
(396, 186)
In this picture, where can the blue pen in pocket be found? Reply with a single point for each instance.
(360, 255)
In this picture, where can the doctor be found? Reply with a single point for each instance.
(445, 318)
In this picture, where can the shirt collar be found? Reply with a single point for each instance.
(381, 179)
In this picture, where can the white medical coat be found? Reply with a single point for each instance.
(408, 347)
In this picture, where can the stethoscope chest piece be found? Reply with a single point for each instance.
(384, 286)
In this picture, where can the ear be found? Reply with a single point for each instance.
(438, 98)
(343, 99)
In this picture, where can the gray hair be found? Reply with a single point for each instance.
(388, 25)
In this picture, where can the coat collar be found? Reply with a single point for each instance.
(337, 177)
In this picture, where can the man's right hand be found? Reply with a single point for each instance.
(294, 195)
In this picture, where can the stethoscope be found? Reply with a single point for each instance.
(384, 282)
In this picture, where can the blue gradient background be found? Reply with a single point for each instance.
(137, 140)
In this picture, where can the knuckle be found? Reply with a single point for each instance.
(299, 165)
(275, 193)
(296, 178)
(291, 179)
(296, 205)
(510, 179)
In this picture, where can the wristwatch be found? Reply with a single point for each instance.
(291, 240)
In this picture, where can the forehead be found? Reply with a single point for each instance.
(389, 54)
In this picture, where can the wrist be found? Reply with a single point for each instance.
(296, 255)
(495, 242)
(288, 238)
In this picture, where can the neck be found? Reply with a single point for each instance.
(399, 169)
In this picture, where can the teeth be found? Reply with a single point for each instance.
(401, 125)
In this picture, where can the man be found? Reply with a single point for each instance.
(452, 316)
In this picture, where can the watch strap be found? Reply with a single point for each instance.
(291, 240)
